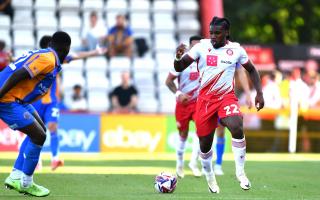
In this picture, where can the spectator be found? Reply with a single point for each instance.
(6, 8)
(124, 97)
(77, 101)
(93, 33)
(314, 97)
(120, 40)
(5, 56)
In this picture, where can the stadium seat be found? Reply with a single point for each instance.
(23, 19)
(187, 6)
(70, 23)
(188, 26)
(167, 101)
(98, 101)
(75, 38)
(5, 21)
(143, 64)
(23, 38)
(165, 44)
(96, 5)
(69, 5)
(71, 78)
(74, 65)
(139, 5)
(48, 22)
(165, 60)
(25, 4)
(97, 80)
(45, 4)
(163, 6)
(120, 63)
(164, 22)
(96, 64)
(140, 21)
(147, 103)
(144, 79)
(116, 6)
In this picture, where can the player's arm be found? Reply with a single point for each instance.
(14, 79)
(170, 83)
(255, 78)
(87, 54)
(182, 61)
(243, 79)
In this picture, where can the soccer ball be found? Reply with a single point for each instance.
(165, 182)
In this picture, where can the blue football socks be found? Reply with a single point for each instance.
(220, 149)
(54, 143)
(19, 162)
(32, 154)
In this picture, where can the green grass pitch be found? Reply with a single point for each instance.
(270, 180)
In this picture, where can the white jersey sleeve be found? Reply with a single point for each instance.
(243, 58)
(195, 51)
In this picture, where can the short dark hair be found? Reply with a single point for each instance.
(44, 41)
(224, 22)
(195, 37)
(77, 86)
(93, 13)
(61, 38)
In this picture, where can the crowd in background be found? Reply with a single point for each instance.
(279, 88)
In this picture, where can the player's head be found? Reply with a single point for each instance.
(44, 41)
(219, 31)
(194, 40)
(93, 18)
(61, 42)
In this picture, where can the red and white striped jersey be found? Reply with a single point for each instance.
(217, 67)
(188, 80)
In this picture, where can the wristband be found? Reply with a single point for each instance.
(178, 92)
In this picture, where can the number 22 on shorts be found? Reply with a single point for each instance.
(231, 109)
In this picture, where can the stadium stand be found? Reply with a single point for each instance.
(157, 21)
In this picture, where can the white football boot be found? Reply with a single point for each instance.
(179, 171)
(212, 183)
(195, 170)
(244, 181)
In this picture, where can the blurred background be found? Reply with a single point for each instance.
(281, 38)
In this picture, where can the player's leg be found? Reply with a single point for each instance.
(182, 122)
(51, 120)
(193, 164)
(206, 122)
(235, 126)
(20, 116)
(220, 145)
(181, 144)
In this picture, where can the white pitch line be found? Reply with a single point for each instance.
(168, 156)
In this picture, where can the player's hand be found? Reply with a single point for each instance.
(248, 100)
(101, 51)
(180, 50)
(259, 101)
(183, 98)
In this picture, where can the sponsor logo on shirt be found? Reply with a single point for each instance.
(226, 62)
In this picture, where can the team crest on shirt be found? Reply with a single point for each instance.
(229, 52)
(26, 115)
(209, 49)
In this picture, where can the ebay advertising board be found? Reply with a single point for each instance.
(133, 133)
